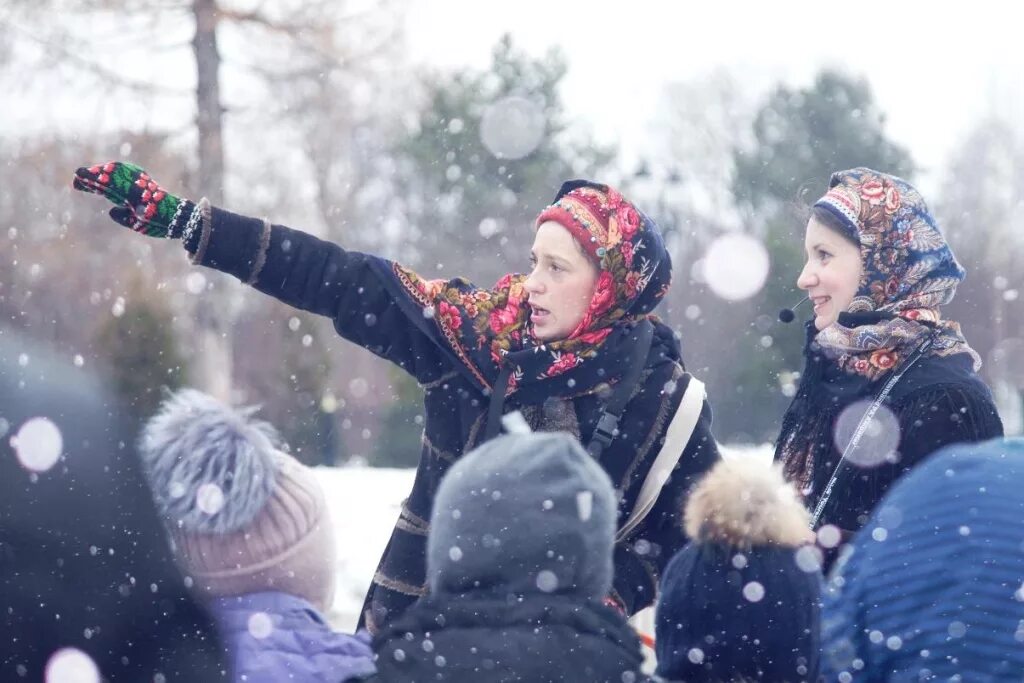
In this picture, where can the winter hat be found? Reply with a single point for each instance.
(521, 514)
(741, 601)
(243, 517)
(932, 588)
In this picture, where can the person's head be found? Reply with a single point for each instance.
(946, 579)
(81, 544)
(596, 259)
(832, 270)
(523, 514)
(243, 516)
(904, 267)
(740, 601)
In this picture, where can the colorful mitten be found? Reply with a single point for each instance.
(142, 205)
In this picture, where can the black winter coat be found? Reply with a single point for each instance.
(532, 639)
(321, 277)
(939, 401)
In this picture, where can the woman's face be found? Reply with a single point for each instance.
(561, 284)
(832, 273)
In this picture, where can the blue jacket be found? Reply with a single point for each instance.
(273, 637)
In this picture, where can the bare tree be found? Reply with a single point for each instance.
(300, 51)
(215, 316)
(978, 207)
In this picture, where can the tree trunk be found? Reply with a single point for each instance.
(211, 138)
(213, 311)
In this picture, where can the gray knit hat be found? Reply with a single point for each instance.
(524, 513)
(242, 516)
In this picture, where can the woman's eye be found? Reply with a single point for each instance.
(555, 268)
(824, 255)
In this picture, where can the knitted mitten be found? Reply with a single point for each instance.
(142, 204)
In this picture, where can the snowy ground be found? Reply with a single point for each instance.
(364, 503)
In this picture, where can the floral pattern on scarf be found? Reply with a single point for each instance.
(488, 328)
(909, 271)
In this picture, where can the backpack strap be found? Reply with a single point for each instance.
(677, 436)
(843, 470)
(608, 423)
(496, 407)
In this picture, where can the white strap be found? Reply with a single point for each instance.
(678, 435)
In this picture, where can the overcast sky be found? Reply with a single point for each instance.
(934, 67)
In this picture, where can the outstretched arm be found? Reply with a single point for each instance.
(294, 267)
(323, 278)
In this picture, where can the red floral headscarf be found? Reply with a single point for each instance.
(489, 328)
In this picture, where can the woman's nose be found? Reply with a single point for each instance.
(532, 283)
(807, 278)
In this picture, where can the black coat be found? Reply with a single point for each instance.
(84, 560)
(321, 277)
(939, 401)
(534, 639)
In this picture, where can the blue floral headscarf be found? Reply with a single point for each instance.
(908, 272)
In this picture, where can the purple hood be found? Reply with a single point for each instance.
(274, 637)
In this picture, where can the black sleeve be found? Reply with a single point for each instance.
(320, 277)
(940, 417)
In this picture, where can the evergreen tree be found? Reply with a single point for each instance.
(401, 426)
(141, 356)
(487, 154)
(287, 376)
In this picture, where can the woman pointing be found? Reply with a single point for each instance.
(571, 345)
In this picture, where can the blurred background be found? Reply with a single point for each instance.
(433, 132)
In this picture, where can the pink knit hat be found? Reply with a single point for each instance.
(242, 516)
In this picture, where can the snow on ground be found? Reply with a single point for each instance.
(364, 503)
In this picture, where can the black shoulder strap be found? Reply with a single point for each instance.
(497, 404)
(608, 424)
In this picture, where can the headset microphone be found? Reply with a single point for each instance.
(787, 315)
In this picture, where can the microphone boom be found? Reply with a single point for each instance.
(787, 315)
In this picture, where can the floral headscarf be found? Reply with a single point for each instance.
(489, 328)
(908, 272)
